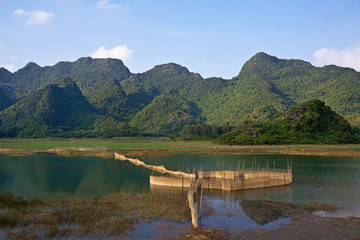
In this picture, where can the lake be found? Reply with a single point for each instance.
(331, 180)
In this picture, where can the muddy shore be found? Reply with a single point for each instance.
(179, 148)
(302, 227)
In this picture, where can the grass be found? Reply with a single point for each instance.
(112, 145)
(312, 207)
(133, 147)
(12, 202)
(111, 215)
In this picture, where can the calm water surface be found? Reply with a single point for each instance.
(332, 180)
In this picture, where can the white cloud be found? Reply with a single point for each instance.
(349, 57)
(9, 67)
(35, 17)
(120, 52)
(39, 17)
(106, 4)
(20, 12)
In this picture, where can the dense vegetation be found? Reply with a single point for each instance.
(167, 113)
(5, 101)
(86, 218)
(164, 99)
(204, 131)
(310, 122)
(58, 107)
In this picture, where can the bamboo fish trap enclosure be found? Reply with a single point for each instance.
(222, 179)
(228, 180)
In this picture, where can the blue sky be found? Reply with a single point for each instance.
(213, 38)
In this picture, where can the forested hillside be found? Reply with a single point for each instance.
(168, 97)
(310, 122)
(5, 100)
(167, 113)
(57, 107)
(297, 81)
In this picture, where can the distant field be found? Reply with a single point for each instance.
(136, 146)
(126, 144)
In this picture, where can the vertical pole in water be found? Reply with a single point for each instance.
(274, 166)
(287, 163)
(195, 201)
(255, 162)
(201, 195)
(223, 171)
(284, 180)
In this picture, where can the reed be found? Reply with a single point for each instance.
(108, 216)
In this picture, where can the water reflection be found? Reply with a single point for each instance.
(52, 176)
(328, 180)
(224, 209)
(250, 194)
(231, 215)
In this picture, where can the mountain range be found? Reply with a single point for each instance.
(101, 97)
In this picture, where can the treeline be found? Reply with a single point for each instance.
(189, 132)
(271, 134)
(46, 133)
(309, 123)
(204, 131)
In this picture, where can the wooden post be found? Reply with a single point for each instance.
(201, 195)
(194, 199)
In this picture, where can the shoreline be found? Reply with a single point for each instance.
(121, 214)
(136, 147)
(205, 149)
(302, 226)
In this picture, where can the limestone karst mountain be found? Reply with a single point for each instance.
(264, 86)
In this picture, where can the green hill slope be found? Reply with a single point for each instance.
(298, 81)
(162, 78)
(264, 86)
(58, 107)
(310, 122)
(166, 114)
(6, 90)
(111, 99)
(89, 74)
(207, 94)
(5, 100)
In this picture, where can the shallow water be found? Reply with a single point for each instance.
(229, 215)
(49, 176)
(332, 180)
